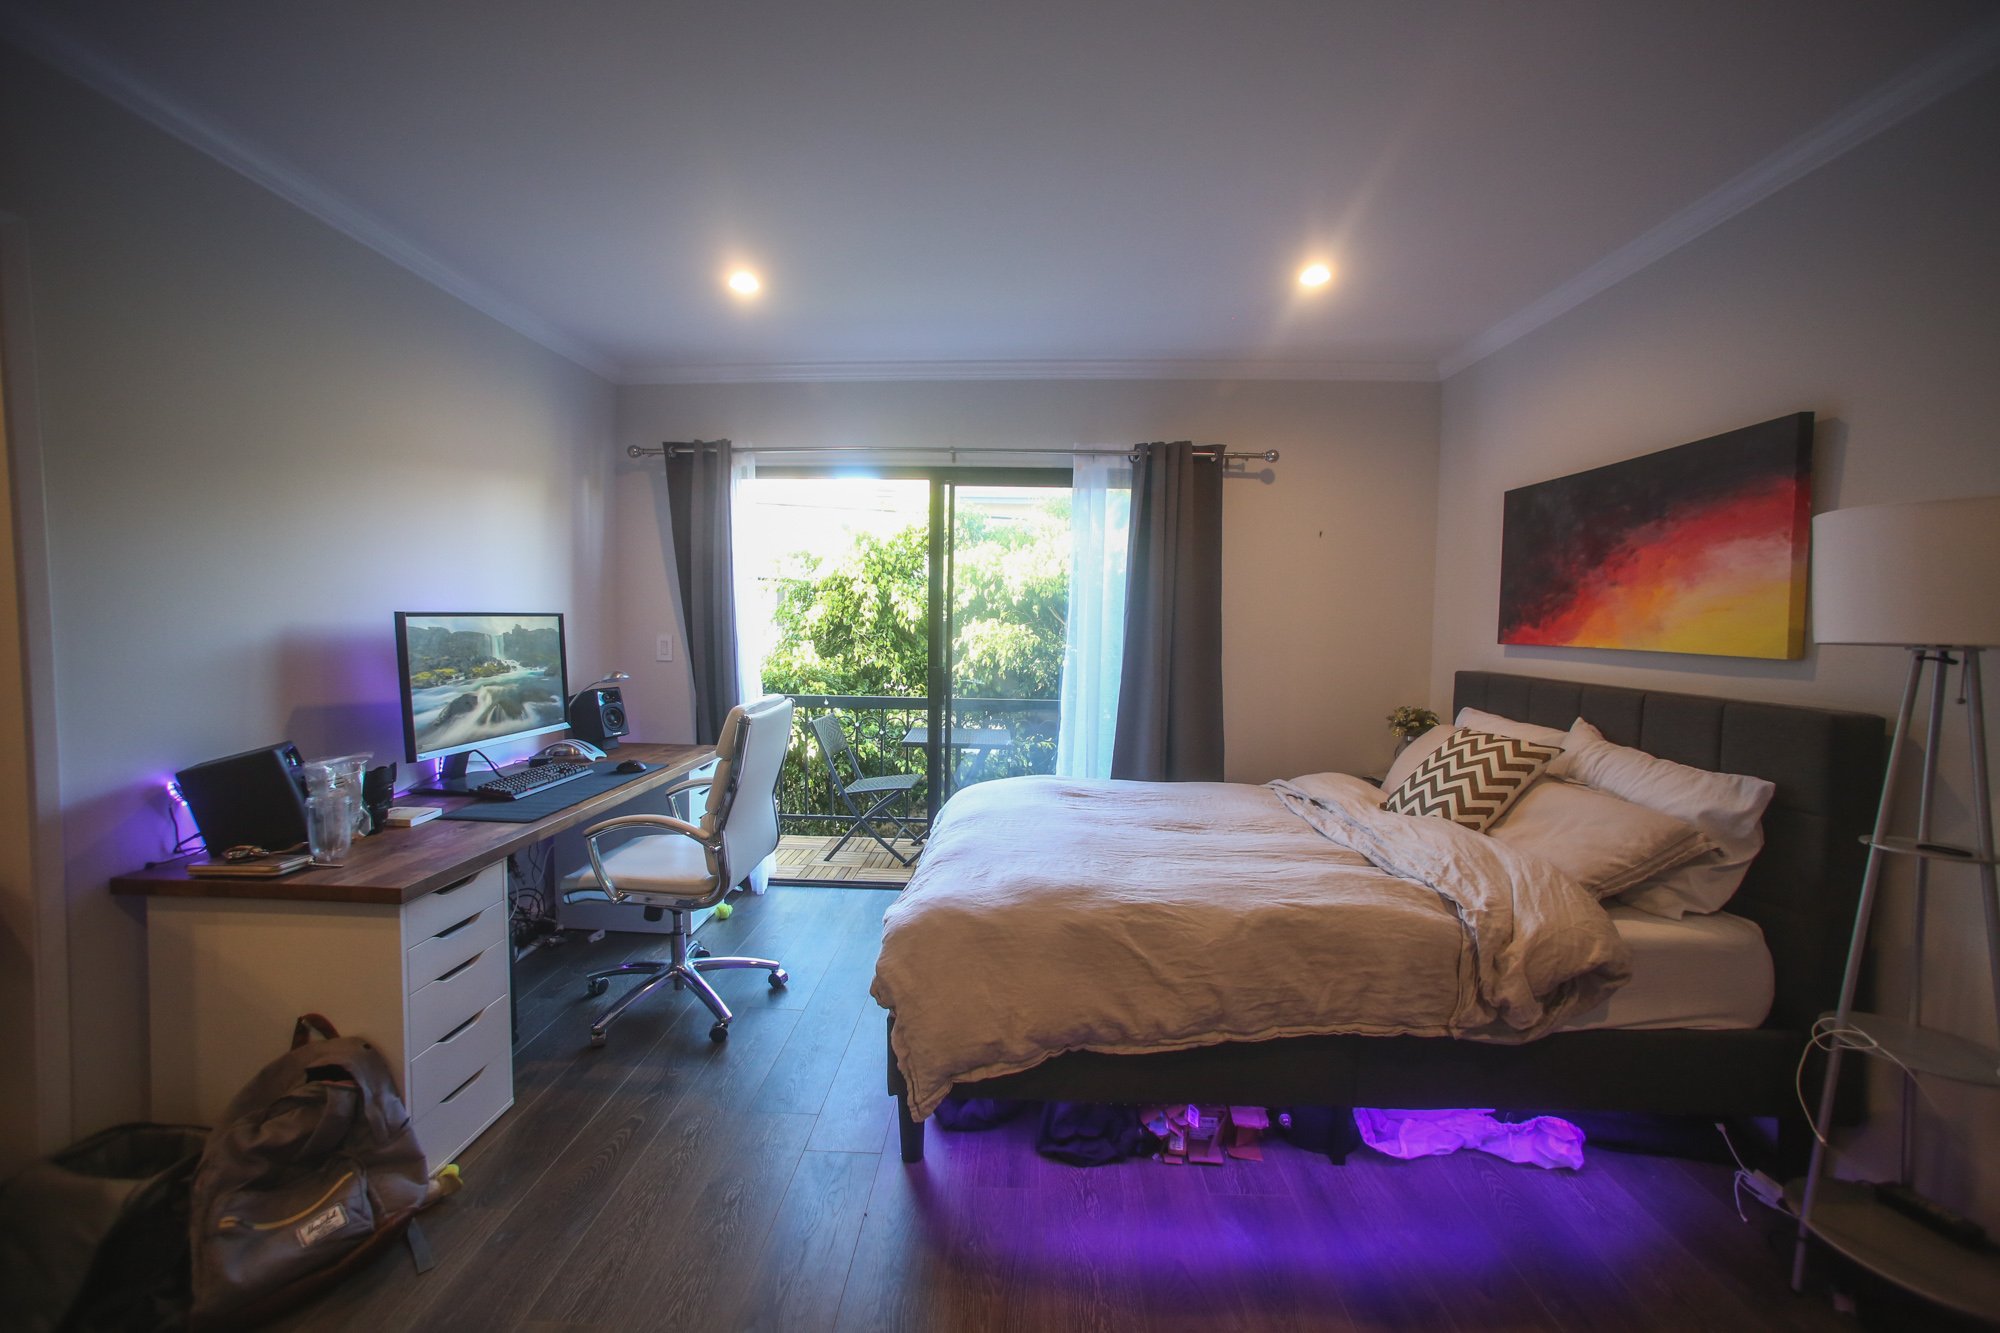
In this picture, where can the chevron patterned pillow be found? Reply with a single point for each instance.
(1471, 779)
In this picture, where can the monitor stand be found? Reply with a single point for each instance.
(451, 779)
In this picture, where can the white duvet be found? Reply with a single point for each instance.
(1056, 914)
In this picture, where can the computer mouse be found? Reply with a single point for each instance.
(630, 766)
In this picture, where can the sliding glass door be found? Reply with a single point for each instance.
(1005, 604)
(925, 608)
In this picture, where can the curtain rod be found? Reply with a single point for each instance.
(673, 448)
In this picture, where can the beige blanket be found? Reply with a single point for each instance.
(1056, 914)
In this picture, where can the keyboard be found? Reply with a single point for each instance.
(513, 786)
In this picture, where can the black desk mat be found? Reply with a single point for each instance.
(548, 801)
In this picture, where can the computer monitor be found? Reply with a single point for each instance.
(475, 679)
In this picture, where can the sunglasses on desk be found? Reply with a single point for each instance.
(249, 852)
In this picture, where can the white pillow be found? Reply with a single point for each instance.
(1413, 754)
(1603, 843)
(1495, 725)
(1727, 807)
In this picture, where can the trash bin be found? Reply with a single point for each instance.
(96, 1237)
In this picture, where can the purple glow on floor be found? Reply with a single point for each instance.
(983, 1198)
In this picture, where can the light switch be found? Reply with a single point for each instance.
(664, 652)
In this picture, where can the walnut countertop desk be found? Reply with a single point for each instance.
(405, 944)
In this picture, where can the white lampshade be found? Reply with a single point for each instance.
(1908, 574)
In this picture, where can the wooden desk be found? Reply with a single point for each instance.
(399, 865)
(405, 944)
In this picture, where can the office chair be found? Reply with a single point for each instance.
(833, 743)
(682, 867)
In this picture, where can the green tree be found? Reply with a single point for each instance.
(855, 624)
(1012, 584)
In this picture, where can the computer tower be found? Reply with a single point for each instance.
(256, 798)
(598, 715)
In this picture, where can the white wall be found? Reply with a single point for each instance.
(260, 440)
(1326, 566)
(1868, 293)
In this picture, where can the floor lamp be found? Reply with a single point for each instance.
(1924, 577)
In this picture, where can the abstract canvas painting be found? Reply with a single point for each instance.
(1696, 549)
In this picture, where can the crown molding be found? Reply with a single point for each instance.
(870, 372)
(1937, 75)
(40, 37)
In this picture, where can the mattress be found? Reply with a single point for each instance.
(1710, 972)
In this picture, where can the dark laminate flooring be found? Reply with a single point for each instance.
(665, 1182)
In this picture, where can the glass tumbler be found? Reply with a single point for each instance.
(330, 812)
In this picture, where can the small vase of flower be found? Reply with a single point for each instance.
(1410, 722)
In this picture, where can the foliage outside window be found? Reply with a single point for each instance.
(853, 623)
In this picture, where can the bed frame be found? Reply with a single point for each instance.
(1801, 890)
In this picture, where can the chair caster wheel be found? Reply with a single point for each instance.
(698, 951)
(594, 989)
(779, 978)
(597, 1041)
(720, 1032)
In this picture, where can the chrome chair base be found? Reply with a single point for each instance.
(689, 961)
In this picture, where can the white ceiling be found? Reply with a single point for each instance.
(1049, 186)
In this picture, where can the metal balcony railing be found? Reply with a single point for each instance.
(877, 724)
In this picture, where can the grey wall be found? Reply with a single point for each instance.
(1326, 566)
(260, 440)
(1868, 293)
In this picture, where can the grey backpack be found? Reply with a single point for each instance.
(312, 1171)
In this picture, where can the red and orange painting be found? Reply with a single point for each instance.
(1696, 549)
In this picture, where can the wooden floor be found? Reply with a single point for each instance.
(861, 861)
(668, 1183)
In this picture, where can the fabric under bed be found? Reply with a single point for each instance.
(1709, 972)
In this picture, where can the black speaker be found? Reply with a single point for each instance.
(598, 715)
(256, 798)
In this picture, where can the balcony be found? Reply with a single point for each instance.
(810, 814)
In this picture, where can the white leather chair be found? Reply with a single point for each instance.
(682, 867)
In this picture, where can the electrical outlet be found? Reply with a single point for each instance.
(664, 651)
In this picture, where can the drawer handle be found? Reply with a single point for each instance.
(454, 888)
(462, 966)
(453, 930)
(453, 1034)
(460, 1088)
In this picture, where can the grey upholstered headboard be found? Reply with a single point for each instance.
(1828, 767)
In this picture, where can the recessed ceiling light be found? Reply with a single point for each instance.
(744, 281)
(1315, 275)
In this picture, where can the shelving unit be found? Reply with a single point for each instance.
(1846, 1215)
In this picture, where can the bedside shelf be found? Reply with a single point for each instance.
(1908, 847)
(1926, 1050)
(1847, 1217)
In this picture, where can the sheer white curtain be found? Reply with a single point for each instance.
(1100, 510)
(748, 554)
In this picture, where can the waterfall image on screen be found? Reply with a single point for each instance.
(479, 678)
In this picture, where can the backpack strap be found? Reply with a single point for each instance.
(308, 1023)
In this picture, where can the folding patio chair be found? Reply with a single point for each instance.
(887, 790)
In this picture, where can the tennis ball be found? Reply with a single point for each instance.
(722, 911)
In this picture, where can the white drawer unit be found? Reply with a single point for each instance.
(426, 981)
(440, 1007)
(454, 946)
(426, 916)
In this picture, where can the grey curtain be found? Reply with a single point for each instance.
(1170, 691)
(698, 499)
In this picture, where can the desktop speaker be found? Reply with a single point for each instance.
(598, 715)
(256, 798)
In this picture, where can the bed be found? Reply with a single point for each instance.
(1800, 893)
